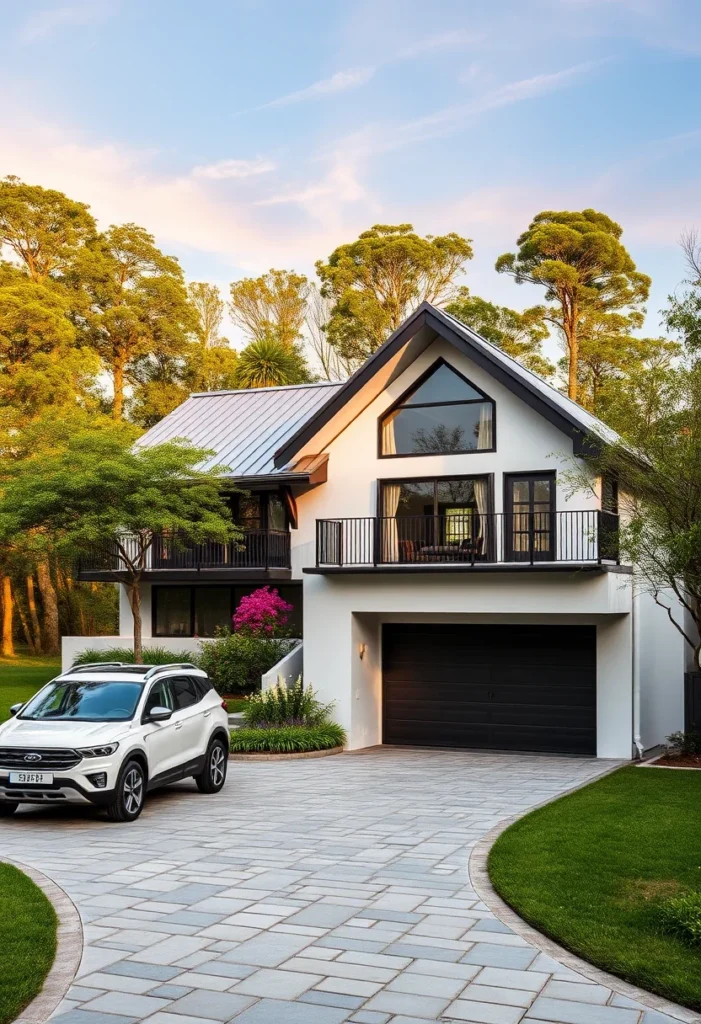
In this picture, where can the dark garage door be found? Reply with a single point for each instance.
(492, 686)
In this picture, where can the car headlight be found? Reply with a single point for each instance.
(105, 751)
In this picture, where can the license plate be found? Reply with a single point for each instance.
(31, 778)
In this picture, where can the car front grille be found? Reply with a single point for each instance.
(38, 758)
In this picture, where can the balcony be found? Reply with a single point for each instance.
(469, 542)
(260, 554)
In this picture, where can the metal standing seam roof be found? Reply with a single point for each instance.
(243, 428)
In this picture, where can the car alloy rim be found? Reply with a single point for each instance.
(133, 790)
(216, 765)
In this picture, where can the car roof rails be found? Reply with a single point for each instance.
(93, 666)
(168, 668)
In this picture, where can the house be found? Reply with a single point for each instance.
(456, 587)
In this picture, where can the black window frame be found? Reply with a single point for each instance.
(233, 588)
(441, 361)
(435, 479)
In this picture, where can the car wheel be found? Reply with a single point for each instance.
(7, 808)
(129, 794)
(213, 775)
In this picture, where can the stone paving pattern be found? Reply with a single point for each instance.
(311, 892)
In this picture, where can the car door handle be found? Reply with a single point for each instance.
(178, 725)
(206, 714)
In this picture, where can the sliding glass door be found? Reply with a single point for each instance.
(439, 519)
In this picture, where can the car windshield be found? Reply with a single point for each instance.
(85, 701)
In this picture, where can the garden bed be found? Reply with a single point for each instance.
(286, 739)
(596, 871)
(675, 761)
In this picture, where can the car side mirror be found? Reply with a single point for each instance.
(159, 714)
(16, 708)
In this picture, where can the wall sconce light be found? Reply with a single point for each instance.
(362, 648)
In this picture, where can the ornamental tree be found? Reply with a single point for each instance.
(95, 491)
(579, 260)
(262, 613)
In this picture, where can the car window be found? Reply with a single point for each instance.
(185, 692)
(87, 701)
(203, 685)
(159, 697)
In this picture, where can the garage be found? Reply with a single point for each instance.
(495, 687)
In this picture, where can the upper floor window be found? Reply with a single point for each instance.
(442, 414)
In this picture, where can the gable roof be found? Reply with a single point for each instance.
(569, 417)
(244, 428)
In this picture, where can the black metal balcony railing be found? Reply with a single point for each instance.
(469, 538)
(257, 549)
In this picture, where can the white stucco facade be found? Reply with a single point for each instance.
(640, 656)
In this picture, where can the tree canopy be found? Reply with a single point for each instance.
(96, 489)
(376, 281)
(520, 335)
(579, 260)
(272, 306)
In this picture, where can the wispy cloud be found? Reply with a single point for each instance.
(339, 82)
(43, 23)
(352, 78)
(226, 169)
(503, 96)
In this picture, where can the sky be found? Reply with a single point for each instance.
(249, 134)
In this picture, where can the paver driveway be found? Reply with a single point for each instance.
(310, 892)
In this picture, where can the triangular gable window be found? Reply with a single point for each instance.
(443, 413)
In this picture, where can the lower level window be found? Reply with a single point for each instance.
(202, 610)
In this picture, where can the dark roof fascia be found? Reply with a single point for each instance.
(530, 395)
(352, 386)
(584, 442)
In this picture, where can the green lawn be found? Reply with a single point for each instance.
(21, 677)
(27, 940)
(590, 869)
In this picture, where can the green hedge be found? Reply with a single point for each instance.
(236, 661)
(151, 656)
(288, 739)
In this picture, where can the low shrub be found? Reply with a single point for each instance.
(681, 916)
(287, 739)
(236, 661)
(151, 656)
(685, 743)
(281, 705)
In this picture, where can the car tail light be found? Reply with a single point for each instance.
(225, 705)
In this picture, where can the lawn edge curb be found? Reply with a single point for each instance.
(482, 884)
(297, 755)
(69, 947)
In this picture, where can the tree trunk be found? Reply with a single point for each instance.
(25, 627)
(34, 618)
(571, 325)
(8, 647)
(48, 596)
(118, 384)
(134, 594)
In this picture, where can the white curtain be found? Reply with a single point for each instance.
(389, 444)
(482, 499)
(391, 493)
(484, 436)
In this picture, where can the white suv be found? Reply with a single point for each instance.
(107, 733)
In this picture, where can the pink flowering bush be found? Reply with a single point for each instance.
(263, 613)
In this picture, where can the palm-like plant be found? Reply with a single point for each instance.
(269, 363)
